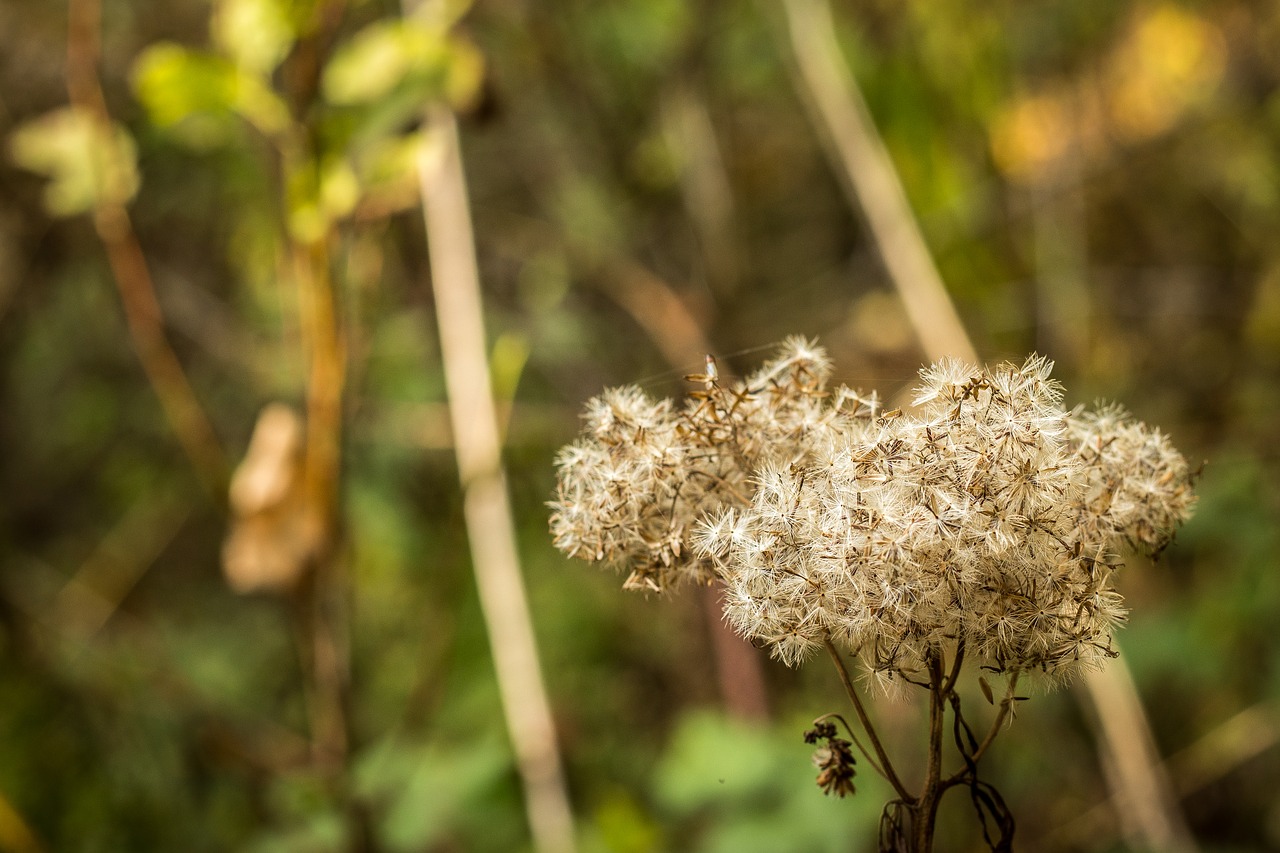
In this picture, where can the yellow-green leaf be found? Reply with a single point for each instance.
(88, 162)
(199, 94)
(175, 83)
(380, 57)
(255, 34)
(465, 73)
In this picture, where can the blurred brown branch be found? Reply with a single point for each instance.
(88, 600)
(132, 275)
(677, 332)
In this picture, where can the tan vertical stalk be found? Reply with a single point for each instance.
(455, 281)
(1141, 792)
(858, 155)
(836, 107)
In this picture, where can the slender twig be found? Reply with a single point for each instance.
(1239, 739)
(950, 684)
(1006, 705)
(677, 330)
(323, 597)
(673, 326)
(486, 505)
(93, 595)
(327, 370)
(704, 181)
(321, 600)
(324, 594)
(887, 766)
(131, 274)
(16, 833)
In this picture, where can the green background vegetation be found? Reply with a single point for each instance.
(1098, 182)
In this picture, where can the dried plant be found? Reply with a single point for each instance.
(986, 524)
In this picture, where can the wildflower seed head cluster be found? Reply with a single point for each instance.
(987, 516)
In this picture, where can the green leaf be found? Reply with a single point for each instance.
(624, 827)
(88, 162)
(199, 94)
(715, 760)
(383, 56)
(465, 73)
(752, 789)
(320, 196)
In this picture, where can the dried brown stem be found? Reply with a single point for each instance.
(926, 807)
(327, 368)
(956, 664)
(1006, 705)
(889, 774)
(322, 624)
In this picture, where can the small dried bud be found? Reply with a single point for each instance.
(834, 760)
(820, 731)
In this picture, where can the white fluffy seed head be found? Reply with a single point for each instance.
(988, 515)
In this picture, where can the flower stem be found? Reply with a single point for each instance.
(885, 765)
(1006, 704)
(926, 808)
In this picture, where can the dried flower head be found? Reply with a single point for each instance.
(834, 759)
(987, 516)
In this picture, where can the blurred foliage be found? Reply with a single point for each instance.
(1097, 180)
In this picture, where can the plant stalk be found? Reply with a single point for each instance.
(925, 810)
(455, 280)
(889, 773)
(132, 275)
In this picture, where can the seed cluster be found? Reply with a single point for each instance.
(987, 515)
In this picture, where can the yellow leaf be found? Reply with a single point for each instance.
(256, 34)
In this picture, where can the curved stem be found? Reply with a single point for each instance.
(887, 766)
(950, 684)
(1005, 705)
